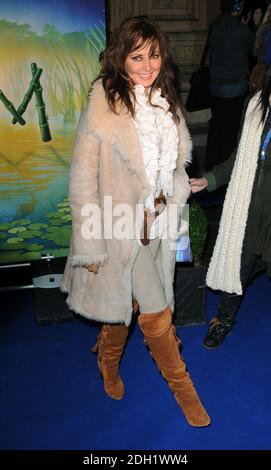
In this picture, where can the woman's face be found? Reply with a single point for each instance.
(257, 16)
(143, 66)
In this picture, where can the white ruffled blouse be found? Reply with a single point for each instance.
(159, 142)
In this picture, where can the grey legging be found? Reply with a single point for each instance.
(146, 284)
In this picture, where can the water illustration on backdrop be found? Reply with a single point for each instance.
(63, 40)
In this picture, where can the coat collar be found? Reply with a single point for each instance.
(119, 130)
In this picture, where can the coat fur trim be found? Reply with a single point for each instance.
(81, 260)
(120, 131)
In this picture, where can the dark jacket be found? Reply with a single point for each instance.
(229, 44)
(220, 174)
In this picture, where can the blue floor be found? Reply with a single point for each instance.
(52, 397)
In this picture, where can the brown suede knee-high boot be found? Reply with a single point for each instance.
(110, 344)
(161, 339)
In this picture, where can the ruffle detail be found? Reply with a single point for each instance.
(159, 141)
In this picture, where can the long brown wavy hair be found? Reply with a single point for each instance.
(132, 34)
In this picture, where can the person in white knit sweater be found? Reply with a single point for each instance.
(129, 158)
(243, 245)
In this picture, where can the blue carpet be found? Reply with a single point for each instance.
(52, 396)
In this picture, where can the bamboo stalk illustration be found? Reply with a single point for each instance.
(40, 105)
(29, 94)
(9, 106)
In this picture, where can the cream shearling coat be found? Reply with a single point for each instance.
(107, 161)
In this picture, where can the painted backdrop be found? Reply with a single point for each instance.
(63, 38)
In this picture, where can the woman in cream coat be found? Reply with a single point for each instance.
(128, 169)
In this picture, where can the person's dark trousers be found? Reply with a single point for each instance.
(223, 129)
(221, 325)
(229, 303)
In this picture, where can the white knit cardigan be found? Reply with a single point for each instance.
(224, 269)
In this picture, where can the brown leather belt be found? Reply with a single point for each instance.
(159, 200)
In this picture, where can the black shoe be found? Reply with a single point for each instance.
(216, 333)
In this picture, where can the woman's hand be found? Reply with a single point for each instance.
(92, 268)
(198, 184)
(245, 19)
